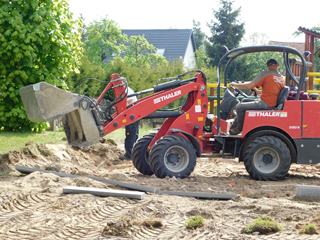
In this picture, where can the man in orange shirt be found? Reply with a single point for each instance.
(271, 82)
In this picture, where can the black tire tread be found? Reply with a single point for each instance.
(285, 161)
(156, 153)
(138, 151)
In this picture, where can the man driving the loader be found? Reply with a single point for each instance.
(271, 82)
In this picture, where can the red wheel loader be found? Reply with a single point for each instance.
(270, 141)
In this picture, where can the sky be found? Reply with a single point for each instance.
(277, 19)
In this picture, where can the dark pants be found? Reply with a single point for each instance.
(132, 135)
(248, 104)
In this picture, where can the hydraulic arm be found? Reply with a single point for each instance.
(84, 122)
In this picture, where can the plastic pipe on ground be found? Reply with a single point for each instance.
(220, 196)
(105, 192)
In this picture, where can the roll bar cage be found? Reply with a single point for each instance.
(234, 53)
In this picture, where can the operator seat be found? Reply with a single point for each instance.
(283, 95)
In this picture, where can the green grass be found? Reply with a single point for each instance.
(120, 133)
(14, 140)
(195, 222)
(309, 229)
(263, 225)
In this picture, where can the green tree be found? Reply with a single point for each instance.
(109, 51)
(226, 31)
(83, 29)
(104, 40)
(248, 66)
(141, 53)
(142, 77)
(39, 42)
(256, 39)
(89, 71)
(201, 58)
(199, 36)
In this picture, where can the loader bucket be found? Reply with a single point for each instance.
(44, 102)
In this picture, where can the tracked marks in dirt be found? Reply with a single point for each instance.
(16, 216)
(14, 205)
(46, 216)
(50, 216)
(36, 217)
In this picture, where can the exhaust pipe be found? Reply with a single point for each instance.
(44, 102)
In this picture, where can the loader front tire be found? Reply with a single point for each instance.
(267, 158)
(140, 154)
(173, 156)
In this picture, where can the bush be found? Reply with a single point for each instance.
(38, 43)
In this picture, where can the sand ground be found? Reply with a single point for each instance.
(34, 207)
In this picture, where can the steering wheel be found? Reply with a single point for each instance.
(239, 91)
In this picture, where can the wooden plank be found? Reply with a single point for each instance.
(104, 192)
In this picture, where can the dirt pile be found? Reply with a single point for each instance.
(34, 207)
(64, 158)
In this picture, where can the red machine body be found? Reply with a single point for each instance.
(270, 141)
(290, 128)
(191, 121)
(287, 120)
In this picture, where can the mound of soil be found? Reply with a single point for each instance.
(64, 158)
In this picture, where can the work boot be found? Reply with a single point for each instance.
(235, 131)
(125, 157)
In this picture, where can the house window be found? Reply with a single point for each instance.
(160, 51)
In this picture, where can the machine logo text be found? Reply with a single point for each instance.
(267, 114)
(166, 97)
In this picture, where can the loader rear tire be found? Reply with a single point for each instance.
(173, 156)
(267, 158)
(140, 154)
